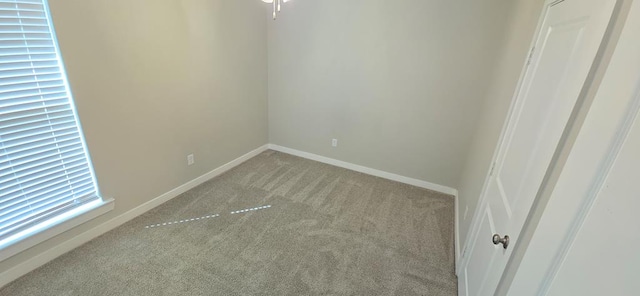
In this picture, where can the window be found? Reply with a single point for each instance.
(45, 173)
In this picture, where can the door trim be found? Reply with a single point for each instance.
(602, 134)
(505, 126)
(592, 87)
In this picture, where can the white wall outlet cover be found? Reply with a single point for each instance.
(334, 142)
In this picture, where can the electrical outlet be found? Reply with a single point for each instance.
(466, 211)
(334, 142)
(190, 159)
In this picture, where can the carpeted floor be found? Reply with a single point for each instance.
(328, 231)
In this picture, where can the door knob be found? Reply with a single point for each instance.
(501, 240)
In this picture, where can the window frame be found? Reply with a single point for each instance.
(58, 224)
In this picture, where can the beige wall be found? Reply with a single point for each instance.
(156, 80)
(398, 83)
(515, 47)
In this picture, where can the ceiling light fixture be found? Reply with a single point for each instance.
(276, 6)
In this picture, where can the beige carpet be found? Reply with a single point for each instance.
(328, 231)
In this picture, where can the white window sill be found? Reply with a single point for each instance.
(50, 228)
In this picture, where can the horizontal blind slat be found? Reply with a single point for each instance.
(32, 115)
(51, 99)
(30, 71)
(50, 161)
(38, 200)
(15, 202)
(19, 203)
(14, 193)
(62, 205)
(40, 197)
(30, 89)
(44, 142)
(51, 71)
(18, 62)
(20, 125)
(12, 135)
(22, 59)
(57, 196)
(28, 79)
(33, 164)
(40, 152)
(21, 9)
(67, 133)
(41, 176)
(17, 126)
(34, 92)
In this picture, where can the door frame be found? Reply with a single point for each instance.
(599, 136)
(599, 64)
(463, 259)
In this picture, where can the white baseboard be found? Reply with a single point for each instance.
(366, 170)
(50, 254)
(58, 225)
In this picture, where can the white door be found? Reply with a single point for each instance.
(585, 240)
(568, 40)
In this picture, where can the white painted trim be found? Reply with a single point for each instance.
(366, 170)
(626, 51)
(58, 250)
(601, 139)
(482, 198)
(57, 225)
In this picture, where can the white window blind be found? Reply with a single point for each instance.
(44, 166)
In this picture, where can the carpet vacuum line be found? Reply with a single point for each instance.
(206, 217)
